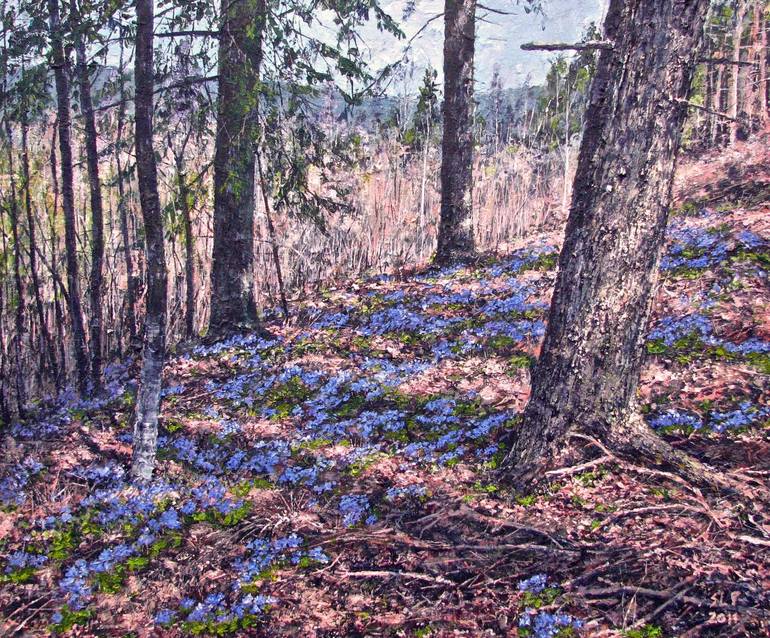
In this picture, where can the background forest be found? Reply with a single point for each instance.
(310, 345)
(349, 174)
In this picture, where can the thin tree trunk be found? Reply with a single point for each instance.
(5, 412)
(716, 129)
(589, 368)
(735, 75)
(19, 328)
(61, 74)
(48, 349)
(148, 397)
(96, 282)
(123, 208)
(764, 116)
(233, 306)
(58, 314)
(455, 234)
(273, 242)
(189, 246)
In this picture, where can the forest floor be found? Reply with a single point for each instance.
(341, 478)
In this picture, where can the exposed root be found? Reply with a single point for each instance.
(634, 440)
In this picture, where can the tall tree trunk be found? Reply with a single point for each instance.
(232, 272)
(96, 282)
(735, 75)
(61, 75)
(123, 206)
(589, 368)
(455, 233)
(57, 289)
(5, 412)
(273, 239)
(189, 246)
(47, 345)
(762, 89)
(148, 398)
(20, 306)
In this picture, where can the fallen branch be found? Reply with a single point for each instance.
(698, 107)
(389, 574)
(562, 46)
(666, 594)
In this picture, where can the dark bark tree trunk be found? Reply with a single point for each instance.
(762, 87)
(273, 242)
(455, 232)
(61, 75)
(20, 306)
(96, 282)
(148, 398)
(130, 318)
(233, 306)
(189, 245)
(588, 372)
(47, 345)
(57, 288)
(5, 412)
(733, 105)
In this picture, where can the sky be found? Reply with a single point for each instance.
(499, 37)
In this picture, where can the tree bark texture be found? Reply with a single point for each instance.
(233, 306)
(148, 397)
(96, 282)
(45, 334)
(61, 76)
(455, 233)
(130, 318)
(588, 371)
(733, 96)
(20, 310)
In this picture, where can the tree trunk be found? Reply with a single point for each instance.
(5, 412)
(233, 306)
(47, 345)
(762, 89)
(61, 75)
(735, 74)
(589, 368)
(123, 207)
(455, 233)
(96, 283)
(148, 397)
(13, 211)
(57, 288)
(189, 247)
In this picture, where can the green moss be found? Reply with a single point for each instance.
(62, 543)
(647, 631)
(760, 360)
(351, 407)
(527, 500)
(521, 360)
(215, 517)
(545, 597)
(360, 466)
(589, 479)
(111, 582)
(137, 563)
(173, 425)
(19, 577)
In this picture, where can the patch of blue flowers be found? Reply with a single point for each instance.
(695, 248)
(16, 480)
(22, 560)
(356, 508)
(543, 624)
(669, 330)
